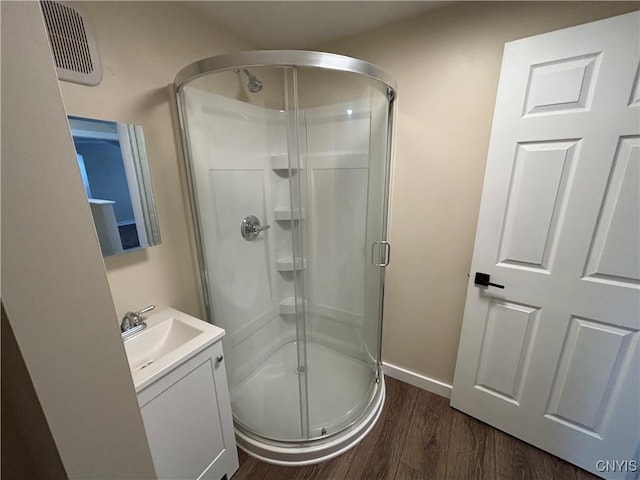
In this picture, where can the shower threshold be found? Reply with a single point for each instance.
(267, 403)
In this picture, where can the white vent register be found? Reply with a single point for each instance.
(73, 43)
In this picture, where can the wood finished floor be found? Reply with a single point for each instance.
(420, 437)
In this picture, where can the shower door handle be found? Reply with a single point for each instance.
(387, 253)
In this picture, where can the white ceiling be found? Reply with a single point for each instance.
(302, 24)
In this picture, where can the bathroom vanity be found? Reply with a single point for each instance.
(177, 365)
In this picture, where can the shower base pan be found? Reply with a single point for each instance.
(269, 401)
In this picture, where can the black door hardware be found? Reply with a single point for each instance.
(483, 280)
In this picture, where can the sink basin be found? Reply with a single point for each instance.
(146, 347)
(171, 337)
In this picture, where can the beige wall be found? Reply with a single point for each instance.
(142, 46)
(447, 65)
(54, 286)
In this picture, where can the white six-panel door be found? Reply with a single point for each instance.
(553, 358)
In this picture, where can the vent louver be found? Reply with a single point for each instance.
(72, 42)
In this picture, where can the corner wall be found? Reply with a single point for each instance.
(25, 432)
(142, 47)
(55, 292)
(447, 64)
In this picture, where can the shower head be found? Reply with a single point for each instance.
(254, 84)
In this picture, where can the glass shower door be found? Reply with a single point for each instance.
(342, 132)
(237, 124)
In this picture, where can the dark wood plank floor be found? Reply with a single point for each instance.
(419, 437)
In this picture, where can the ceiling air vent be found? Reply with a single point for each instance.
(74, 47)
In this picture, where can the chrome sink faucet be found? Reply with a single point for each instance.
(132, 322)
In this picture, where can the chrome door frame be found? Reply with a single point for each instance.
(282, 58)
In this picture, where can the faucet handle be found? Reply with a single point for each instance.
(136, 317)
(145, 310)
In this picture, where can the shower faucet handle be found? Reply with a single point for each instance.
(250, 228)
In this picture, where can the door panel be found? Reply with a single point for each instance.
(553, 358)
(561, 86)
(537, 195)
(634, 101)
(618, 232)
(506, 349)
(590, 362)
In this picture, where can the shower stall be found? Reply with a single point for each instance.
(288, 161)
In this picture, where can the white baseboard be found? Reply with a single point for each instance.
(417, 380)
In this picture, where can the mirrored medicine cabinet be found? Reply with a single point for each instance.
(113, 164)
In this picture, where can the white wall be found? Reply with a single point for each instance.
(142, 47)
(446, 64)
(55, 289)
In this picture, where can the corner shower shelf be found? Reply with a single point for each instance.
(286, 214)
(289, 264)
(288, 306)
(280, 163)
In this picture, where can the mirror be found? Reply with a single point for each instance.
(112, 159)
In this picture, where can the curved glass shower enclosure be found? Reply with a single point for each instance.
(288, 161)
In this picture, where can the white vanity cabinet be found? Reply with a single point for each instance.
(187, 416)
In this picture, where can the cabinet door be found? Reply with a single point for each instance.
(188, 422)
